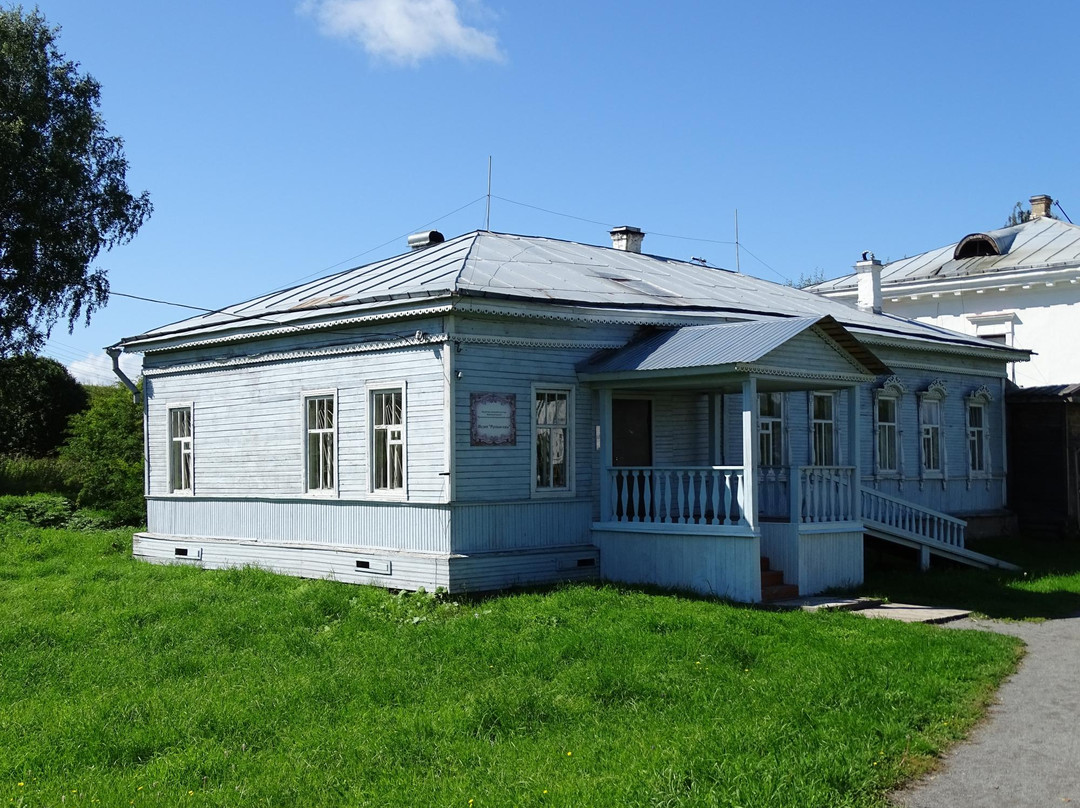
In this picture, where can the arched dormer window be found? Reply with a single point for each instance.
(931, 430)
(888, 446)
(978, 443)
(976, 245)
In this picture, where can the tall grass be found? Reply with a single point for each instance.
(124, 683)
(31, 475)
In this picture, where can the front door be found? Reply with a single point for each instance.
(631, 445)
(631, 432)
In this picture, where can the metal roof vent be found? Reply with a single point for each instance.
(425, 238)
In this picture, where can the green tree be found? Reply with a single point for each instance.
(104, 454)
(37, 396)
(63, 193)
(1019, 215)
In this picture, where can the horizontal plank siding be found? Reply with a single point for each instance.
(482, 572)
(494, 526)
(808, 351)
(387, 569)
(504, 473)
(248, 430)
(386, 525)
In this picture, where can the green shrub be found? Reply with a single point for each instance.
(37, 396)
(20, 474)
(104, 456)
(39, 510)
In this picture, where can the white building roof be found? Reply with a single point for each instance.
(538, 270)
(1037, 244)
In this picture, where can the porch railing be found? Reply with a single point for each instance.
(827, 494)
(696, 495)
(902, 517)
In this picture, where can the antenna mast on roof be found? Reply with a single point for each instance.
(487, 215)
(737, 240)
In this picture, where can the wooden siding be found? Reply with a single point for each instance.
(724, 566)
(387, 569)
(487, 571)
(810, 352)
(248, 435)
(383, 525)
(494, 526)
(504, 473)
(829, 559)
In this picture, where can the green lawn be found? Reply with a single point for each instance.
(1048, 586)
(125, 684)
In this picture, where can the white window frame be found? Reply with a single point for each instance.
(185, 446)
(830, 447)
(980, 399)
(935, 395)
(771, 429)
(892, 389)
(570, 391)
(374, 389)
(306, 432)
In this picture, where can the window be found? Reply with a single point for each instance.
(888, 460)
(976, 418)
(771, 429)
(552, 420)
(180, 453)
(978, 407)
(320, 424)
(931, 409)
(388, 439)
(822, 416)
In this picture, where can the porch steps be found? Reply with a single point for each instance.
(773, 587)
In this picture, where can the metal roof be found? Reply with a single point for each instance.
(715, 345)
(528, 268)
(1035, 244)
(1046, 393)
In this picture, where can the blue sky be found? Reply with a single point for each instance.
(281, 139)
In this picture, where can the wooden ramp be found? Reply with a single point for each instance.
(928, 531)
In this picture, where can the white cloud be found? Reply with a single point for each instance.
(404, 31)
(97, 368)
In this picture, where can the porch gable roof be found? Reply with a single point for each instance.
(726, 345)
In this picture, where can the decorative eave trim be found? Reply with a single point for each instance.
(292, 356)
(529, 310)
(997, 374)
(926, 345)
(768, 371)
(178, 343)
(535, 342)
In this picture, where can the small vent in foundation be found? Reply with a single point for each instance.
(586, 562)
(363, 565)
(180, 552)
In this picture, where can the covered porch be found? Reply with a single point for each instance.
(708, 467)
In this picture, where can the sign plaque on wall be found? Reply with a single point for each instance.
(491, 419)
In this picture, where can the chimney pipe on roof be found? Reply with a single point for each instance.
(868, 271)
(1040, 206)
(627, 238)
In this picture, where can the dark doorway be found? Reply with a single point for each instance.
(631, 445)
(631, 432)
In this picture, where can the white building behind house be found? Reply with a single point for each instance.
(1018, 286)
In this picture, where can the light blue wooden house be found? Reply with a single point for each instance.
(498, 410)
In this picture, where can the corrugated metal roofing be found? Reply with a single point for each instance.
(1047, 392)
(1035, 244)
(485, 264)
(708, 346)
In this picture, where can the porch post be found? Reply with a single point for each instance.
(750, 451)
(854, 428)
(605, 454)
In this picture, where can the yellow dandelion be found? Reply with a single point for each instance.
(22, 784)
(190, 793)
(545, 791)
(568, 754)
